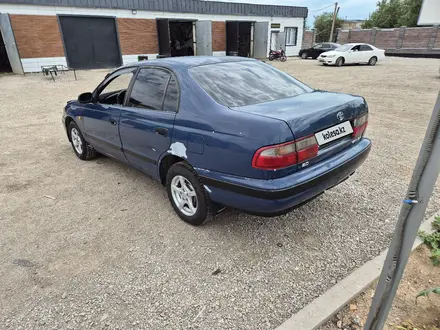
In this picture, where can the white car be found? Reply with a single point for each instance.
(352, 54)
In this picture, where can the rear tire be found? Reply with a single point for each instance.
(372, 61)
(340, 61)
(283, 58)
(185, 188)
(304, 56)
(81, 148)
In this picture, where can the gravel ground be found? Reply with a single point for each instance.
(109, 252)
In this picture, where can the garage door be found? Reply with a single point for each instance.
(90, 42)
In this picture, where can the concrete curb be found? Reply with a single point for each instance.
(320, 310)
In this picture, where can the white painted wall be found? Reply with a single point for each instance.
(126, 59)
(31, 64)
(35, 64)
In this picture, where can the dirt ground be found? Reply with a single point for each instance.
(97, 245)
(420, 274)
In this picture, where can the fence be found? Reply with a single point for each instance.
(418, 41)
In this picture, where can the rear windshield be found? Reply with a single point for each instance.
(236, 84)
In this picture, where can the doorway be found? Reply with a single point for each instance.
(176, 38)
(5, 65)
(239, 38)
(181, 38)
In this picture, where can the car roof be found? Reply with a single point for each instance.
(358, 43)
(190, 61)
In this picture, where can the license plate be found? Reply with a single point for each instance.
(334, 133)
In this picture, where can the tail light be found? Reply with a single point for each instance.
(306, 148)
(285, 154)
(360, 125)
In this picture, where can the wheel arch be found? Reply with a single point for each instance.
(165, 163)
(67, 122)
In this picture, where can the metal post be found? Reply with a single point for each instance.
(411, 215)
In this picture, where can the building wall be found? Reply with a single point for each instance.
(137, 36)
(37, 36)
(137, 33)
(219, 36)
(411, 41)
(352, 25)
(38, 41)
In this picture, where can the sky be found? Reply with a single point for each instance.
(352, 9)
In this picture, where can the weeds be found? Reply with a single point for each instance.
(433, 241)
(425, 293)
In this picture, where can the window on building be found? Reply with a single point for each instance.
(149, 89)
(291, 34)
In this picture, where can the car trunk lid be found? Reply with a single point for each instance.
(326, 115)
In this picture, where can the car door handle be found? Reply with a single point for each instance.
(162, 131)
(113, 121)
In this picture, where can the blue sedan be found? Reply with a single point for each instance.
(222, 131)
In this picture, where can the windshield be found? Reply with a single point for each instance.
(236, 84)
(343, 48)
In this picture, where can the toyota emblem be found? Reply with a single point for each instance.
(340, 115)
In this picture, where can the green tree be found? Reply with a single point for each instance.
(394, 13)
(410, 12)
(323, 26)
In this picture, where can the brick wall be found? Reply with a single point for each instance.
(387, 39)
(37, 36)
(308, 39)
(218, 36)
(360, 36)
(342, 37)
(137, 36)
(437, 40)
(416, 38)
(423, 40)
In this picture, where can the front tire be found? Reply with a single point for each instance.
(304, 56)
(340, 61)
(372, 61)
(81, 148)
(271, 57)
(187, 194)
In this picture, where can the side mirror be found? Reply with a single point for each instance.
(85, 98)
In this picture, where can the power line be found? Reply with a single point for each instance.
(314, 11)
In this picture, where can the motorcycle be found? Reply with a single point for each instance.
(277, 54)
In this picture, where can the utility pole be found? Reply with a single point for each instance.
(335, 14)
(411, 215)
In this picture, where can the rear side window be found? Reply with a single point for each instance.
(171, 101)
(149, 89)
(236, 84)
(365, 48)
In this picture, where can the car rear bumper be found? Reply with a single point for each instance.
(274, 197)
